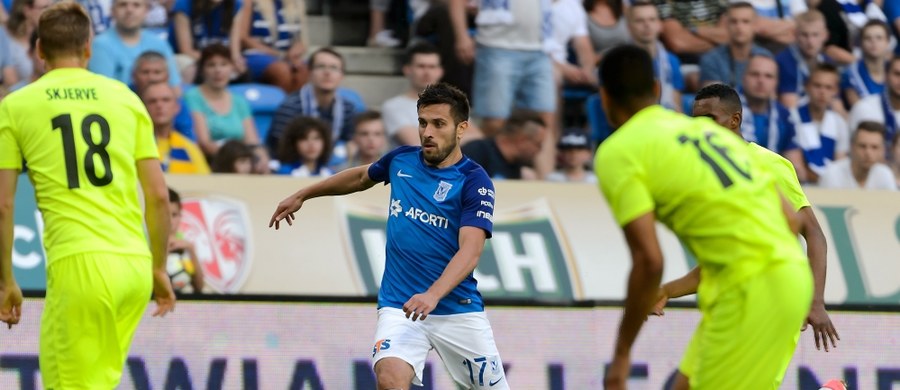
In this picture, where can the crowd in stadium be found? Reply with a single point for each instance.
(819, 79)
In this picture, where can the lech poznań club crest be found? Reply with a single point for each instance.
(442, 191)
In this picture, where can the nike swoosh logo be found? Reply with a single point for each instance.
(401, 174)
(492, 383)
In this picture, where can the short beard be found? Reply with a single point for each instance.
(441, 155)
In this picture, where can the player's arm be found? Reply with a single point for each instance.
(643, 286)
(680, 287)
(156, 204)
(344, 182)
(184, 38)
(10, 294)
(816, 251)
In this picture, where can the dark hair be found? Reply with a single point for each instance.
(872, 127)
(517, 120)
(891, 61)
(727, 96)
(876, 23)
(443, 93)
(17, 19)
(615, 5)
(421, 48)
(228, 154)
(202, 13)
(328, 50)
(825, 68)
(174, 197)
(64, 29)
(626, 74)
(642, 3)
(207, 54)
(366, 116)
(299, 129)
(740, 5)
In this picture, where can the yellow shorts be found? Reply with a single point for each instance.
(93, 306)
(746, 339)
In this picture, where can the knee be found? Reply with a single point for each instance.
(393, 375)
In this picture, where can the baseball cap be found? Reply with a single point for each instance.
(573, 139)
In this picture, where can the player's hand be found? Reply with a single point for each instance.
(420, 305)
(10, 303)
(163, 293)
(285, 211)
(661, 300)
(823, 329)
(465, 49)
(617, 373)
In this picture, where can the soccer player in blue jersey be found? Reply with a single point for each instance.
(440, 216)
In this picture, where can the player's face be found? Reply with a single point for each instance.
(811, 38)
(761, 78)
(875, 42)
(149, 72)
(370, 138)
(439, 135)
(129, 14)
(868, 149)
(822, 88)
(161, 104)
(310, 147)
(424, 70)
(739, 23)
(644, 24)
(327, 72)
(174, 216)
(217, 71)
(711, 109)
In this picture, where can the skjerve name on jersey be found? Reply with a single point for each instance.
(71, 93)
(418, 214)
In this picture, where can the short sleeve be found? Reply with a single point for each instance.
(145, 141)
(623, 182)
(379, 171)
(581, 26)
(182, 6)
(10, 154)
(478, 201)
(789, 184)
(709, 71)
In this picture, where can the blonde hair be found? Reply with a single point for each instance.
(810, 17)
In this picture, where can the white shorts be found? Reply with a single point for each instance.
(465, 343)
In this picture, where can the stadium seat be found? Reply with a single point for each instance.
(264, 99)
(600, 128)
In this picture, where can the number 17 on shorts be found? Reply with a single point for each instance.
(484, 372)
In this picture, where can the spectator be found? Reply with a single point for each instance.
(218, 114)
(157, 21)
(436, 27)
(304, 149)
(187, 68)
(511, 68)
(369, 140)
(319, 99)
(177, 153)
(795, 62)
(774, 23)
(766, 122)
(726, 63)
(100, 12)
(151, 67)
(864, 169)
(200, 23)
(3, 14)
(884, 107)
(569, 24)
(822, 134)
(114, 52)
(892, 14)
(511, 153)
(866, 76)
(422, 67)
(690, 29)
(234, 157)
(275, 26)
(22, 23)
(895, 157)
(575, 156)
(37, 64)
(181, 251)
(606, 24)
(645, 26)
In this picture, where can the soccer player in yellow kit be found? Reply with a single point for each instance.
(87, 141)
(722, 104)
(714, 193)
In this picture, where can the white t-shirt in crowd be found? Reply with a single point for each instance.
(569, 20)
(839, 175)
(398, 112)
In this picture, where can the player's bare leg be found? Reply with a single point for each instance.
(681, 382)
(393, 374)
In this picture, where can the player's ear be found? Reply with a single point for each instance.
(657, 90)
(40, 49)
(461, 128)
(736, 119)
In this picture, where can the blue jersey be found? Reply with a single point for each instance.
(428, 207)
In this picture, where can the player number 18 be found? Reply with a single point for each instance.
(95, 149)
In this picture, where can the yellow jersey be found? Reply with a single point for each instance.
(180, 155)
(785, 176)
(80, 135)
(704, 184)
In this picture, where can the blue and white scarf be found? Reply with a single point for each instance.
(890, 121)
(748, 126)
(311, 108)
(858, 15)
(802, 69)
(818, 141)
(857, 82)
(664, 76)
